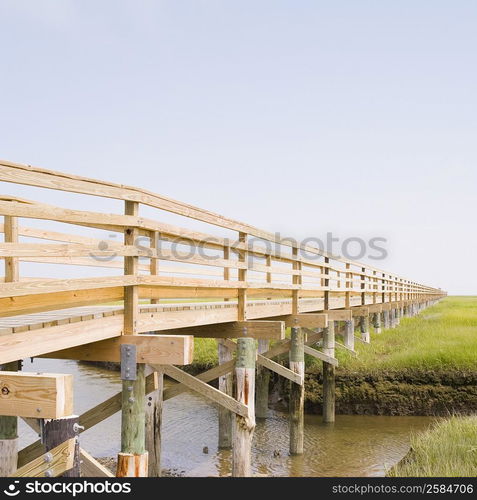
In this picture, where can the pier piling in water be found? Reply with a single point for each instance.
(244, 425)
(225, 416)
(297, 392)
(262, 383)
(329, 374)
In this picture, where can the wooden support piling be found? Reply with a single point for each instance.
(8, 436)
(153, 419)
(364, 324)
(385, 319)
(133, 459)
(349, 334)
(244, 425)
(297, 392)
(377, 322)
(225, 416)
(58, 430)
(262, 383)
(329, 374)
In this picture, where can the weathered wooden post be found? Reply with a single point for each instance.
(392, 318)
(364, 324)
(244, 426)
(377, 322)
(58, 430)
(329, 374)
(8, 436)
(225, 416)
(297, 392)
(263, 382)
(153, 419)
(133, 458)
(349, 334)
(386, 319)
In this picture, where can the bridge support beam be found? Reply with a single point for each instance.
(226, 386)
(297, 392)
(329, 374)
(244, 425)
(263, 382)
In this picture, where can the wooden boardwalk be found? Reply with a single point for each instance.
(143, 300)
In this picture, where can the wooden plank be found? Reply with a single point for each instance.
(31, 344)
(274, 330)
(46, 395)
(90, 467)
(206, 390)
(29, 304)
(58, 461)
(279, 369)
(151, 349)
(63, 285)
(319, 355)
(305, 320)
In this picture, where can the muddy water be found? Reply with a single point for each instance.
(353, 446)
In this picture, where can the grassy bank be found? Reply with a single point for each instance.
(426, 366)
(442, 338)
(448, 449)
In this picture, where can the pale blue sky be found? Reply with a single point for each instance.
(357, 117)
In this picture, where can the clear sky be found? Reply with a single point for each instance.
(356, 117)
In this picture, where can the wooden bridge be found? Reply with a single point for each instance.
(141, 302)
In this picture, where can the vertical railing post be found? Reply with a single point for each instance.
(242, 276)
(244, 426)
(297, 392)
(154, 264)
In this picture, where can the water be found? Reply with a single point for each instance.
(353, 446)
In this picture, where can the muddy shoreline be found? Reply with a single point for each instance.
(409, 393)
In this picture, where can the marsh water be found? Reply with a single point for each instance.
(353, 446)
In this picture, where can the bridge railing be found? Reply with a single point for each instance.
(168, 261)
